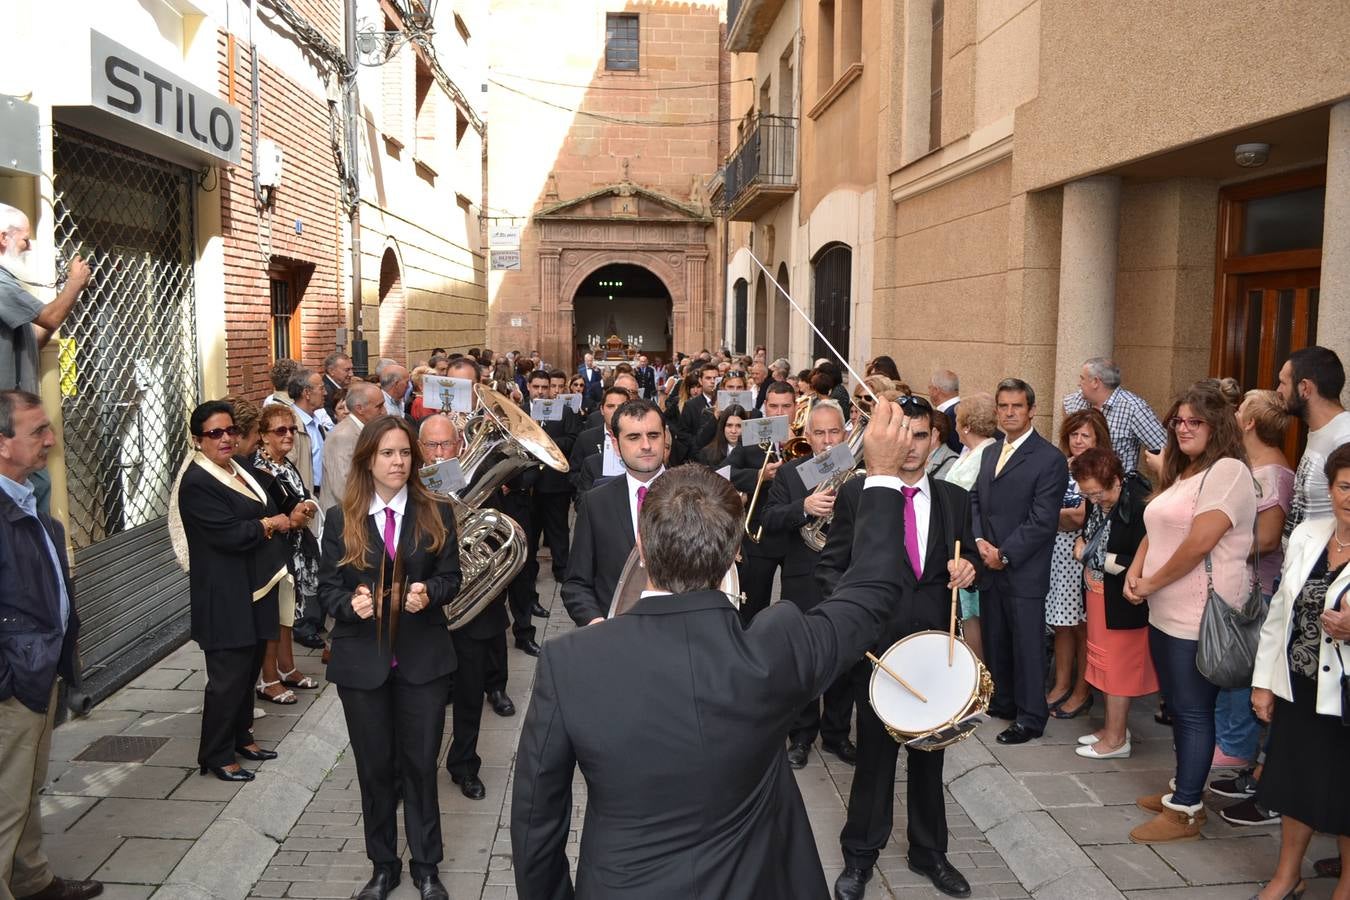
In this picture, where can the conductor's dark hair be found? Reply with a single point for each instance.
(690, 528)
(633, 409)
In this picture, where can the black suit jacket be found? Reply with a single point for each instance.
(564, 433)
(745, 464)
(360, 657)
(590, 442)
(694, 418)
(330, 392)
(646, 379)
(229, 559)
(675, 714)
(1127, 533)
(783, 517)
(927, 599)
(1018, 512)
(953, 439)
(595, 382)
(601, 541)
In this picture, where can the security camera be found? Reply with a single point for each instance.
(1250, 156)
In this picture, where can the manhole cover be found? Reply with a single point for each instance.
(121, 748)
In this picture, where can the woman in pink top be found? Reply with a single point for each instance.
(1205, 506)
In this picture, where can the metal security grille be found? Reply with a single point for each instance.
(129, 381)
(281, 319)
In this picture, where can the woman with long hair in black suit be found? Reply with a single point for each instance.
(390, 561)
(237, 553)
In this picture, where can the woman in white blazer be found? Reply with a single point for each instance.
(1297, 688)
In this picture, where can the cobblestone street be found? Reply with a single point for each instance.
(1035, 820)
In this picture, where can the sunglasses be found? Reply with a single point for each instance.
(216, 434)
(916, 402)
(283, 430)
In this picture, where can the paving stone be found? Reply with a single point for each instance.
(225, 875)
(126, 891)
(1100, 824)
(959, 759)
(270, 889)
(184, 725)
(143, 861)
(181, 892)
(1053, 791)
(178, 751)
(1079, 884)
(1223, 861)
(69, 740)
(188, 656)
(59, 812)
(1227, 892)
(78, 855)
(1036, 848)
(158, 679)
(1133, 866)
(1118, 788)
(205, 787)
(989, 795)
(117, 780)
(120, 817)
(154, 700)
(270, 804)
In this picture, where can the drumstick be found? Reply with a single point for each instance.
(887, 669)
(951, 633)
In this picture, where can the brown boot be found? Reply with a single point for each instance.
(1174, 823)
(1154, 802)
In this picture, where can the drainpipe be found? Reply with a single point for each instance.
(360, 351)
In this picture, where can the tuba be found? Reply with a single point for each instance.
(816, 530)
(500, 440)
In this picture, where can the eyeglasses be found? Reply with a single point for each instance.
(1094, 496)
(216, 434)
(439, 445)
(283, 430)
(1176, 422)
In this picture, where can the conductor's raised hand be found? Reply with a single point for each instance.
(417, 599)
(887, 441)
(362, 603)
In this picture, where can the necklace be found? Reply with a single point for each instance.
(1340, 545)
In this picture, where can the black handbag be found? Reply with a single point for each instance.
(1345, 677)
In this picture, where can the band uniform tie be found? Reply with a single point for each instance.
(389, 543)
(641, 495)
(1003, 455)
(912, 532)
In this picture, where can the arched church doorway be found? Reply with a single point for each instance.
(624, 301)
(393, 311)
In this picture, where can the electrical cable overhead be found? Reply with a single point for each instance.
(602, 117)
(602, 87)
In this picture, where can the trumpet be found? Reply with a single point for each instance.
(771, 453)
(815, 531)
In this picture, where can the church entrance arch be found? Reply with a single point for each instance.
(626, 301)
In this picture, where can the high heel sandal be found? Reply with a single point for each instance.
(285, 698)
(1295, 894)
(1055, 704)
(304, 682)
(225, 774)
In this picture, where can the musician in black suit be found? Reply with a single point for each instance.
(594, 378)
(607, 515)
(760, 559)
(238, 553)
(694, 797)
(698, 411)
(590, 443)
(787, 508)
(646, 379)
(1015, 511)
(551, 498)
(940, 513)
(392, 667)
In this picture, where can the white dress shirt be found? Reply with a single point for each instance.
(391, 406)
(923, 503)
(633, 485)
(311, 426)
(398, 503)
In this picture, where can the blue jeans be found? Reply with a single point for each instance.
(1236, 728)
(1190, 699)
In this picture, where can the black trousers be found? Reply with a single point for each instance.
(477, 660)
(521, 595)
(833, 724)
(871, 798)
(227, 709)
(756, 574)
(1014, 629)
(396, 732)
(548, 517)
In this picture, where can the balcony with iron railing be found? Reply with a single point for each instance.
(762, 173)
(748, 21)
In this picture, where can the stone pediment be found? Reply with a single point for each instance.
(624, 202)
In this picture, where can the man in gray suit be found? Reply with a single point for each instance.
(365, 402)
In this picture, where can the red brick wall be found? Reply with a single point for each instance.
(298, 122)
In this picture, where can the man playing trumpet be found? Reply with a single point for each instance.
(675, 712)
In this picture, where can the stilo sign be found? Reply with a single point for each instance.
(131, 87)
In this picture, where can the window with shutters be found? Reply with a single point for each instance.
(621, 42)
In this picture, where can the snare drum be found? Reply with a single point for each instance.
(633, 581)
(957, 695)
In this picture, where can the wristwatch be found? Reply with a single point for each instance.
(1003, 558)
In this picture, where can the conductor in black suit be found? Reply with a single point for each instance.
(606, 526)
(675, 712)
(940, 514)
(788, 507)
(392, 666)
(1015, 512)
(760, 559)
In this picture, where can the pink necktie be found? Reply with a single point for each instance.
(389, 543)
(642, 495)
(912, 532)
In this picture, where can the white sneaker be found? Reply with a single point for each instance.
(1087, 751)
(1092, 738)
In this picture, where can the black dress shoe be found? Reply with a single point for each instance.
(501, 704)
(845, 750)
(430, 888)
(470, 786)
(380, 885)
(945, 878)
(538, 611)
(66, 889)
(259, 755)
(1017, 733)
(225, 774)
(312, 641)
(527, 646)
(798, 754)
(852, 883)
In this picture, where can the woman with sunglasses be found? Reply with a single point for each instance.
(280, 674)
(1204, 508)
(237, 550)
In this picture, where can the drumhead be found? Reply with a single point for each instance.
(921, 659)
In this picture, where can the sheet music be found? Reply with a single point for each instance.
(444, 477)
(770, 429)
(833, 461)
(447, 394)
(547, 410)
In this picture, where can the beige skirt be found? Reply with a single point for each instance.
(286, 601)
